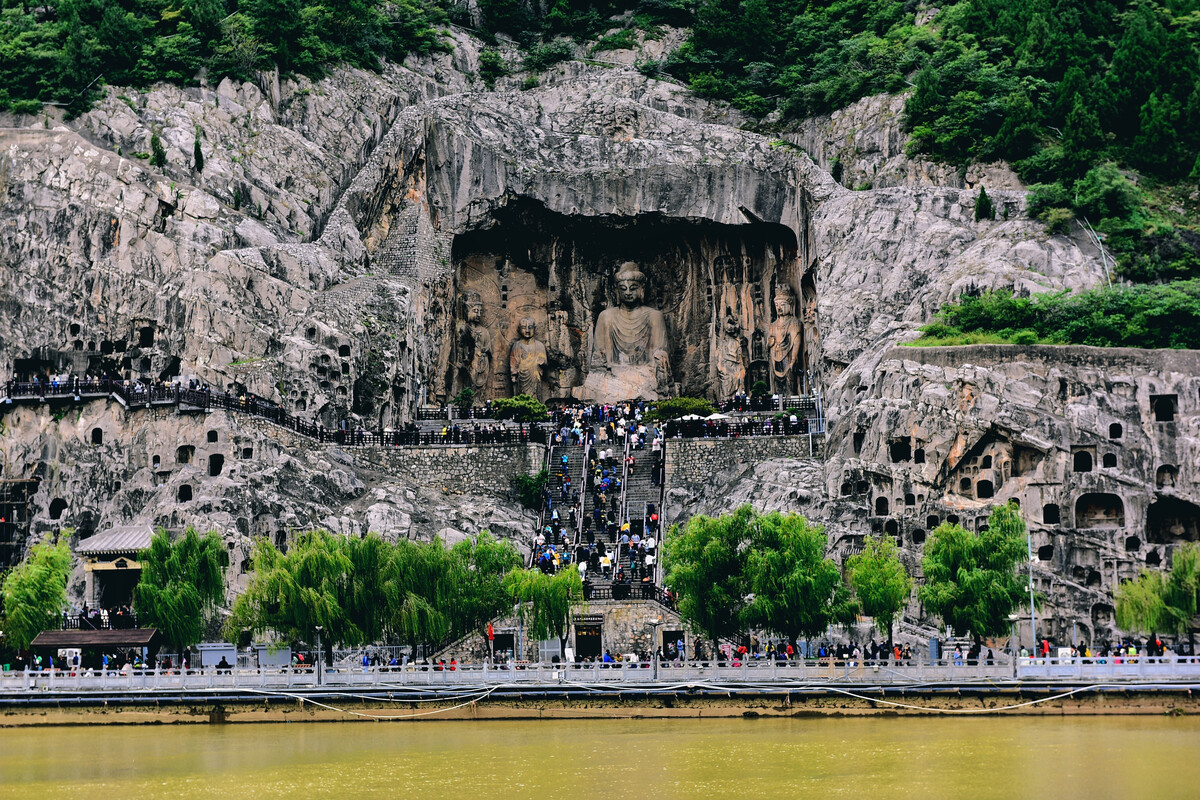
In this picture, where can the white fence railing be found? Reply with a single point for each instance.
(754, 673)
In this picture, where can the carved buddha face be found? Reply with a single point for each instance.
(732, 328)
(784, 305)
(473, 305)
(631, 287)
(526, 328)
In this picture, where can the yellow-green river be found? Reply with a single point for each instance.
(872, 757)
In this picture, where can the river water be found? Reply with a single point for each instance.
(882, 757)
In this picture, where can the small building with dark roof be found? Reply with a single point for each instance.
(111, 568)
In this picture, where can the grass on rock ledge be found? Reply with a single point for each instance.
(1147, 316)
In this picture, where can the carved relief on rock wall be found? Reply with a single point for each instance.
(621, 308)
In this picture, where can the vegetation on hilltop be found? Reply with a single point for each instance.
(63, 52)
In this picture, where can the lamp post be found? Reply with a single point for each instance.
(1032, 618)
(1012, 641)
(318, 666)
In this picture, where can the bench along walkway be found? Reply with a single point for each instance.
(645, 673)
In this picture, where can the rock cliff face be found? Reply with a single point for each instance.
(360, 245)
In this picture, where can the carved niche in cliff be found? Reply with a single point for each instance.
(626, 306)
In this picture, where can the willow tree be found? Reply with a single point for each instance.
(180, 584)
(35, 592)
(971, 579)
(1162, 602)
(795, 590)
(705, 562)
(292, 594)
(419, 591)
(880, 582)
(544, 602)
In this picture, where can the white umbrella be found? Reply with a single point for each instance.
(717, 416)
(692, 416)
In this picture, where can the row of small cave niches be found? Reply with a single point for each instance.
(184, 454)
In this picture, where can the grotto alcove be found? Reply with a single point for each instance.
(530, 289)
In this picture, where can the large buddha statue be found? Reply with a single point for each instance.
(784, 339)
(526, 358)
(629, 357)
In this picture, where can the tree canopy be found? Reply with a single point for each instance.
(796, 591)
(1158, 602)
(749, 570)
(522, 408)
(35, 592)
(676, 407)
(705, 565)
(363, 590)
(63, 52)
(971, 579)
(545, 601)
(180, 582)
(880, 582)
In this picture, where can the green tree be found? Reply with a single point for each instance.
(530, 488)
(181, 582)
(704, 564)
(158, 154)
(1082, 138)
(1158, 601)
(522, 408)
(677, 407)
(796, 591)
(880, 581)
(35, 592)
(971, 579)
(294, 593)
(984, 208)
(545, 601)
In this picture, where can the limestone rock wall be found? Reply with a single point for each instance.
(320, 259)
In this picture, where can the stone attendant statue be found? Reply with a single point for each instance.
(526, 358)
(784, 339)
(475, 345)
(731, 365)
(629, 357)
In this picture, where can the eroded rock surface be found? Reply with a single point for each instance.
(321, 258)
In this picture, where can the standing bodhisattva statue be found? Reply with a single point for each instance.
(526, 358)
(783, 341)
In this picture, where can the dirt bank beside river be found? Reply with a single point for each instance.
(21, 711)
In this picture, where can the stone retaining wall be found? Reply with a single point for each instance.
(692, 462)
(485, 467)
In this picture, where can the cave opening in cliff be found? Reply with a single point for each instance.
(1050, 514)
(216, 463)
(1164, 407)
(1115, 431)
(724, 293)
(97, 436)
(57, 507)
(1099, 510)
(1170, 519)
(1164, 476)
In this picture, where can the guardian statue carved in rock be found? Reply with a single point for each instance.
(526, 358)
(784, 339)
(629, 357)
(475, 345)
(731, 363)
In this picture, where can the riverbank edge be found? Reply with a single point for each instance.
(18, 711)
